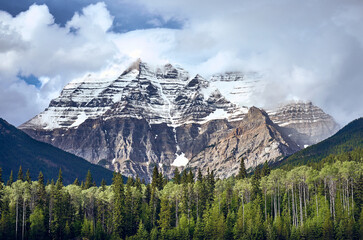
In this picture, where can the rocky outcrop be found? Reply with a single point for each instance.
(256, 139)
(304, 123)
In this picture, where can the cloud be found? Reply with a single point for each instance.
(308, 50)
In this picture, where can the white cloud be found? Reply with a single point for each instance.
(305, 49)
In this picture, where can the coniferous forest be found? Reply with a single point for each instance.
(323, 201)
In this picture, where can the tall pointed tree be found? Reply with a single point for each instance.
(27, 176)
(11, 179)
(89, 180)
(119, 206)
(242, 173)
(20, 174)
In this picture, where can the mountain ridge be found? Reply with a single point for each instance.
(163, 117)
(18, 149)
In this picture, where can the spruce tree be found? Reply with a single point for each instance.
(89, 180)
(27, 176)
(176, 177)
(190, 178)
(242, 173)
(59, 183)
(265, 169)
(41, 193)
(1, 175)
(119, 206)
(20, 174)
(11, 180)
(76, 182)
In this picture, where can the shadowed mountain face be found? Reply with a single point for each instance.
(347, 139)
(18, 149)
(163, 117)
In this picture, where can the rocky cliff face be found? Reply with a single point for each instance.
(304, 123)
(163, 117)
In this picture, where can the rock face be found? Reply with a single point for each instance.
(304, 123)
(163, 117)
(256, 138)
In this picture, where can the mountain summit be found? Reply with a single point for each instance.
(162, 116)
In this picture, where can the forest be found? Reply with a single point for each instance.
(321, 201)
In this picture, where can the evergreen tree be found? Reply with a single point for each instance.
(89, 180)
(142, 234)
(119, 205)
(265, 169)
(156, 180)
(242, 173)
(11, 180)
(200, 176)
(190, 178)
(27, 176)
(165, 216)
(76, 182)
(20, 174)
(59, 183)
(176, 177)
(103, 184)
(41, 193)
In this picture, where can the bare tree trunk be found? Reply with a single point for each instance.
(23, 227)
(300, 200)
(265, 206)
(278, 198)
(306, 215)
(293, 205)
(316, 200)
(176, 212)
(16, 219)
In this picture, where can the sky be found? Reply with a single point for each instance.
(305, 50)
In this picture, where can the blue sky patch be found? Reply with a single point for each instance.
(31, 80)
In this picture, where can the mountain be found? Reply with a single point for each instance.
(347, 139)
(304, 123)
(18, 149)
(161, 116)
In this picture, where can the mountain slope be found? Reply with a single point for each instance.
(347, 139)
(17, 148)
(256, 138)
(160, 116)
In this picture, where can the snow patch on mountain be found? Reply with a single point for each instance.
(180, 160)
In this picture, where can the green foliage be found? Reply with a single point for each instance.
(346, 140)
(301, 203)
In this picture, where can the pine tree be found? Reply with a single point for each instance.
(103, 184)
(89, 180)
(156, 181)
(190, 178)
(76, 182)
(41, 193)
(200, 176)
(59, 183)
(11, 180)
(20, 174)
(119, 206)
(176, 177)
(242, 173)
(27, 176)
(142, 234)
(165, 216)
(265, 170)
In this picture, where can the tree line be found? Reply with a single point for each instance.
(305, 202)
